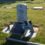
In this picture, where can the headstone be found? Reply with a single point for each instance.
(38, 8)
(22, 30)
(21, 13)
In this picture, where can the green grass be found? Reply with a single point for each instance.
(3, 38)
(39, 0)
(36, 16)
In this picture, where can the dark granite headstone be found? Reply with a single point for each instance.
(21, 13)
(21, 18)
(21, 26)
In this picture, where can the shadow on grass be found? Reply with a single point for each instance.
(13, 43)
(9, 1)
(3, 2)
(10, 42)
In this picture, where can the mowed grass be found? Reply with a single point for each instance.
(36, 16)
(39, 0)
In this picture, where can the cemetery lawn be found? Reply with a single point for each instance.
(36, 16)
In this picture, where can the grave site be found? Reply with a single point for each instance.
(22, 24)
